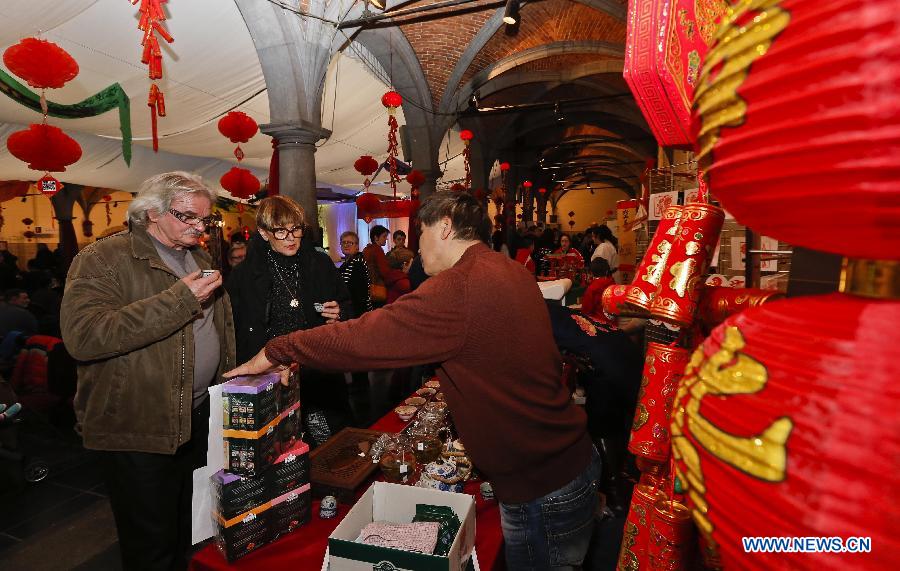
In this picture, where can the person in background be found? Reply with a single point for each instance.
(377, 262)
(397, 280)
(14, 315)
(399, 250)
(592, 301)
(355, 273)
(151, 332)
(282, 287)
(523, 254)
(236, 254)
(607, 247)
(570, 256)
(517, 420)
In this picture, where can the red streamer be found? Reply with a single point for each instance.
(150, 22)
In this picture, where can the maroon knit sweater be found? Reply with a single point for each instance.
(485, 322)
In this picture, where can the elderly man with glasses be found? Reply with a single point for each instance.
(152, 331)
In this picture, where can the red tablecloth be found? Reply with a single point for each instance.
(304, 549)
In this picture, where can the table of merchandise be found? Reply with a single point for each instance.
(304, 549)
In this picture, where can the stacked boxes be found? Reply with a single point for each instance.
(264, 491)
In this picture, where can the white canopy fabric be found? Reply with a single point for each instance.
(210, 69)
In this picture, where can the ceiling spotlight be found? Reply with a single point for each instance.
(511, 13)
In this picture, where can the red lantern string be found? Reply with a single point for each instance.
(392, 100)
(239, 128)
(415, 179)
(366, 166)
(467, 136)
(150, 22)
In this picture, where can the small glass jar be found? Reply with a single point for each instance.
(398, 462)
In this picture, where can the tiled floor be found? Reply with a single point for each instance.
(63, 521)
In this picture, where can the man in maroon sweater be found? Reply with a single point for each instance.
(481, 317)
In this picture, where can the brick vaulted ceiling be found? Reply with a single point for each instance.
(439, 43)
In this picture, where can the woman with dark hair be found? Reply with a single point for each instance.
(378, 263)
(569, 256)
(607, 247)
(280, 288)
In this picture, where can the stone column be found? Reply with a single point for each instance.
(297, 163)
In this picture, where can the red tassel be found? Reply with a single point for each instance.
(152, 102)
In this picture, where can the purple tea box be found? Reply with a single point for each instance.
(236, 494)
(250, 403)
(289, 511)
(289, 471)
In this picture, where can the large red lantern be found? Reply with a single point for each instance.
(366, 165)
(392, 100)
(785, 424)
(44, 147)
(238, 126)
(504, 167)
(40, 63)
(527, 184)
(367, 205)
(796, 115)
(240, 182)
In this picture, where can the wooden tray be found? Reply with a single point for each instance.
(337, 468)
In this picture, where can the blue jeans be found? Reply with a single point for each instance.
(553, 531)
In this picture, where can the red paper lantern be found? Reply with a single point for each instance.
(238, 126)
(415, 178)
(241, 183)
(44, 147)
(785, 424)
(28, 234)
(40, 63)
(504, 167)
(27, 221)
(367, 205)
(542, 190)
(797, 167)
(527, 184)
(366, 165)
(392, 100)
(466, 135)
(107, 198)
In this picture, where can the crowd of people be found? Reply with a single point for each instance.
(150, 321)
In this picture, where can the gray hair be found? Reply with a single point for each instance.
(158, 192)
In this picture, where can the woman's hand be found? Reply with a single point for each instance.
(331, 312)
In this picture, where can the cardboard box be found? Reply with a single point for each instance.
(397, 504)
(249, 403)
(250, 453)
(289, 471)
(234, 494)
(289, 511)
(289, 428)
(238, 536)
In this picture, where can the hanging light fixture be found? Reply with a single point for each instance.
(511, 12)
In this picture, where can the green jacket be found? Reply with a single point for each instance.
(127, 319)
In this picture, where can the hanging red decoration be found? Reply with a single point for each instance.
(542, 190)
(392, 100)
(27, 221)
(366, 166)
(28, 234)
(504, 167)
(457, 187)
(44, 148)
(40, 63)
(467, 136)
(240, 182)
(527, 184)
(366, 204)
(415, 179)
(239, 128)
(48, 185)
(151, 23)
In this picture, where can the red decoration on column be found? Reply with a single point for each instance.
(366, 166)
(392, 100)
(151, 23)
(467, 136)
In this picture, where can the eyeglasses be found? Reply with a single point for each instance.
(282, 233)
(349, 243)
(191, 220)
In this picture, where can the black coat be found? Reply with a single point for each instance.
(249, 285)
